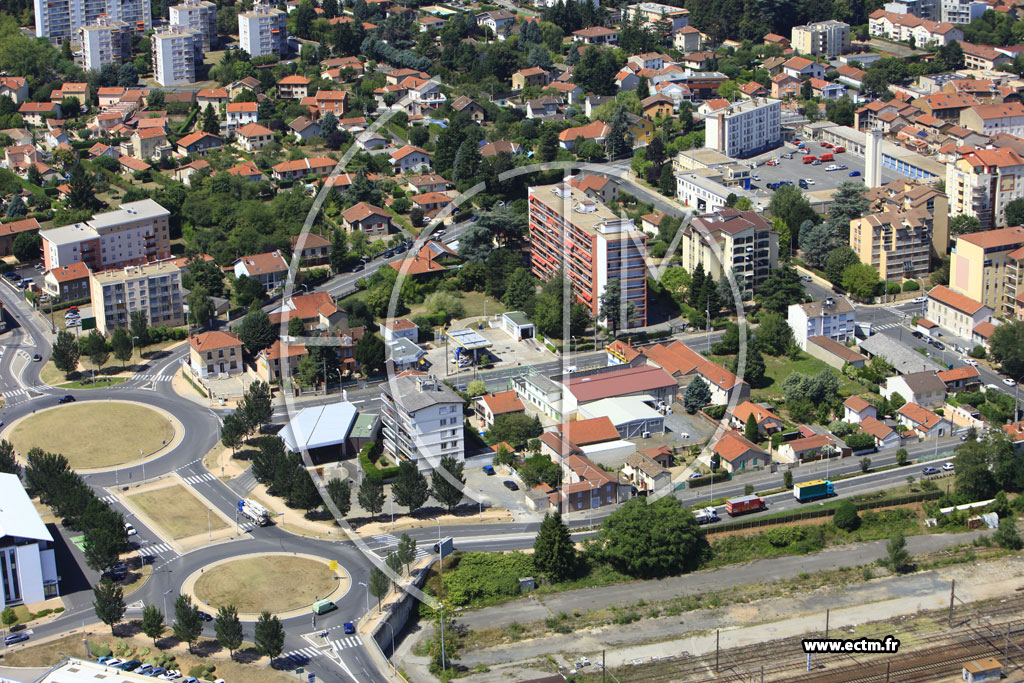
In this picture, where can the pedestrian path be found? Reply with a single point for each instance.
(156, 549)
(351, 641)
(244, 483)
(884, 326)
(109, 500)
(302, 655)
(198, 478)
(20, 392)
(386, 543)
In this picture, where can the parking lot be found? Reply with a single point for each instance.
(817, 177)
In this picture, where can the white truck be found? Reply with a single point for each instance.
(255, 512)
(706, 515)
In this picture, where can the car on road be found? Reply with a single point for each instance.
(66, 398)
(917, 333)
(807, 278)
(971, 361)
(755, 177)
(937, 344)
(930, 470)
(356, 268)
(1009, 382)
(510, 485)
(803, 184)
(842, 167)
(948, 466)
(36, 358)
(15, 638)
(349, 628)
(919, 300)
(440, 233)
(489, 470)
(809, 181)
(854, 174)
(832, 167)
(205, 616)
(129, 529)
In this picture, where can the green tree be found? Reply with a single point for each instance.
(296, 328)
(410, 488)
(371, 495)
(667, 181)
(104, 535)
(782, 288)
(108, 602)
(861, 281)
(228, 629)
(200, 307)
(837, 261)
(849, 201)
(697, 395)
(233, 431)
(95, 346)
(379, 585)
(902, 457)
(774, 336)
(152, 622)
(121, 343)
(1015, 212)
(817, 242)
(962, 224)
(138, 325)
(65, 352)
(595, 72)
(339, 250)
(619, 141)
(1006, 347)
(8, 617)
(514, 429)
(248, 291)
(256, 405)
(256, 331)
(82, 193)
(789, 204)
(974, 477)
(188, 624)
(898, 557)
(787, 479)
(406, 550)
(645, 539)
(750, 430)
(846, 517)
(16, 209)
(370, 353)
(269, 635)
(1006, 536)
(554, 553)
(443, 490)
(8, 463)
(340, 492)
(27, 246)
(211, 124)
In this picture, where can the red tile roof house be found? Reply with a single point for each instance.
(885, 436)
(410, 158)
(807, 448)
(395, 328)
(619, 382)
(198, 143)
(592, 132)
(490, 406)
(278, 361)
(622, 353)
(316, 249)
(736, 453)
(767, 421)
(68, 283)
(589, 432)
(270, 268)
(856, 409)
(585, 485)
(922, 421)
(684, 364)
(301, 168)
(10, 231)
(431, 202)
(315, 310)
(367, 218)
(253, 137)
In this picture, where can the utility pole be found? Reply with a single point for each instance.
(604, 669)
(826, 622)
(444, 663)
(952, 593)
(717, 632)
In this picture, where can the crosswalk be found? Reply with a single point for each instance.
(244, 483)
(343, 643)
(386, 543)
(884, 326)
(109, 500)
(153, 378)
(155, 549)
(19, 392)
(301, 655)
(198, 478)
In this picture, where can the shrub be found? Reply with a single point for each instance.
(100, 649)
(978, 352)
(846, 517)
(715, 412)
(204, 671)
(479, 576)
(911, 286)
(892, 288)
(860, 441)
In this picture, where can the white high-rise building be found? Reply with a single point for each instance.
(176, 54)
(263, 31)
(61, 20)
(744, 128)
(421, 420)
(106, 42)
(199, 16)
(962, 11)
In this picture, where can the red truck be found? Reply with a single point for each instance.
(809, 158)
(741, 506)
(827, 156)
(839, 150)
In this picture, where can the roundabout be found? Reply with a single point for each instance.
(127, 433)
(284, 584)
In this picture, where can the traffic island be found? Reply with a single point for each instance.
(97, 436)
(182, 517)
(253, 583)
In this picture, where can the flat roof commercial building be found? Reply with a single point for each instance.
(28, 569)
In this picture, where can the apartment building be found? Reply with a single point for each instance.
(902, 196)
(106, 42)
(279, 361)
(896, 243)
(61, 20)
(829, 38)
(980, 264)
(657, 15)
(263, 31)
(199, 16)
(899, 26)
(177, 53)
(982, 182)
(573, 233)
(135, 233)
(833, 317)
(745, 128)
(421, 420)
(926, 9)
(154, 288)
(744, 240)
(962, 11)
(995, 118)
(954, 312)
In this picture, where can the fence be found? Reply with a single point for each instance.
(821, 512)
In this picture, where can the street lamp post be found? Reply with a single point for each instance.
(367, 595)
(394, 665)
(133, 347)
(166, 593)
(480, 503)
(209, 523)
(440, 550)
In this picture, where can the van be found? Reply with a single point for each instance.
(323, 606)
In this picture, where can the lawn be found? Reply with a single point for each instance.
(105, 434)
(776, 370)
(254, 584)
(177, 511)
(472, 302)
(100, 383)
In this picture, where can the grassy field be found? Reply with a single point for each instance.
(105, 434)
(254, 584)
(472, 302)
(100, 383)
(778, 369)
(177, 511)
(248, 668)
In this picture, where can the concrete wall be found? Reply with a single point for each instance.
(398, 616)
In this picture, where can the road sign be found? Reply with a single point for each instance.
(333, 565)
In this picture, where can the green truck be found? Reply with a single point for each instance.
(323, 606)
(812, 490)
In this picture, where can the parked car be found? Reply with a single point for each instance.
(756, 177)
(854, 174)
(809, 181)
(130, 530)
(971, 361)
(1009, 382)
(356, 268)
(919, 300)
(803, 184)
(807, 278)
(489, 470)
(917, 333)
(15, 638)
(938, 345)
(66, 398)
(144, 668)
(130, 665)
(349, 628)
(930, 470)
(12, 276)
(205, 616)
(156, 671)
(510, 485)
(440, 233)
(948, 466)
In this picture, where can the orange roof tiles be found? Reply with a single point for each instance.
(732, 445)
(216, 339)
(586, 432)
(503, 403)
(946, 296)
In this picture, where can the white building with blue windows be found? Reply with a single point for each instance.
(28, 569)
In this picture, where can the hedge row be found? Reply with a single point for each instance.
(370, 469)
